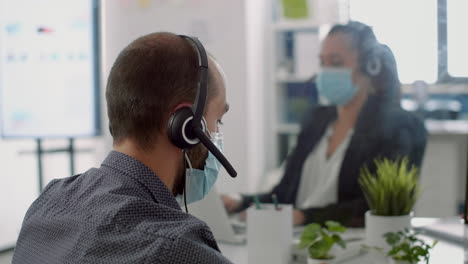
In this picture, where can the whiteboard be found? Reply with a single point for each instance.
(49, 68)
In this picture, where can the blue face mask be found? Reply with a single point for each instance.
(200, 182)
(335, 86)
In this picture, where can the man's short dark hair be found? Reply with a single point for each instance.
(149, 78)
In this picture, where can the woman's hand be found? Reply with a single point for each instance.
(230, 203)
(298, 217)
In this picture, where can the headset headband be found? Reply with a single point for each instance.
(198, 107)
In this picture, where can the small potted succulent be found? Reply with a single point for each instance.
(391, 193)
(407, 248)
(320, 240)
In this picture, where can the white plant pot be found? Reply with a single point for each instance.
(392, 261)
(377, 226)
(319, 261)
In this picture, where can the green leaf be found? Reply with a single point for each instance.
(418, 251)
(407, 246)
(392, 188)
(309, 235)
(392, 238)
(320, 249)
(326, 237)
(335, 227)
(337, 239)
(393, 251)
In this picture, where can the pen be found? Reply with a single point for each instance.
(275, 201)
(257, 202)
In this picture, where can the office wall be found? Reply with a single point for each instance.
(18, 177)
(232, 31)
(17, 188)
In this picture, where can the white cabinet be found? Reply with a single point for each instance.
(443, 175)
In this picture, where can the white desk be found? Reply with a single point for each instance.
(235, 253)
(443, 253)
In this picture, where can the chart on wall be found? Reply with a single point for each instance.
(49, 73)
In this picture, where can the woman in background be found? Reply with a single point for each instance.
(358, 119)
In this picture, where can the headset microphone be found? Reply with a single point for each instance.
(215, 151)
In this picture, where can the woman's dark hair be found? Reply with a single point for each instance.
(370, 52)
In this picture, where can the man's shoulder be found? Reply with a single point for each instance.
(186, 241)
(170, 223)
(109, 199)
(178, 237)
(110, 219)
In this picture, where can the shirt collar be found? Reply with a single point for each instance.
(140, 172)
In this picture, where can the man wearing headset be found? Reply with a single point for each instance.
(165, 100)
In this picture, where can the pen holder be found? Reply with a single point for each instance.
(269, 234)
(465, 243)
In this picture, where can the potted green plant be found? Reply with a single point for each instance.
(391, 194)
(407, 248)
(319, 240)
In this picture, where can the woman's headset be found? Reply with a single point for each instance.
(187, 127)
(369, 49)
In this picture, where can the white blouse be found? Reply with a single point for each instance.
(319, 180)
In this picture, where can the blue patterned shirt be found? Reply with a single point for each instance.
(118, 213)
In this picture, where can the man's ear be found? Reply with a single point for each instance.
(181, 105)
(173, 110)
(176, 124)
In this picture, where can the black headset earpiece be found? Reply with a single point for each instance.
(374, 66)
(180, 129)
(186, 126)
(371, 62)
(369, 49)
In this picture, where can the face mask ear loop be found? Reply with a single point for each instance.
(186, 162)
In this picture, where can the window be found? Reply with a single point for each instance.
(457, 38)
(426, 36)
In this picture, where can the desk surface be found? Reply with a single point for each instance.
(443, 253)
(235, 253)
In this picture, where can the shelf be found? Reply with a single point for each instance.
(439, 89)
(289, 129)
(447, 127)
(292, 79)
(296, 26)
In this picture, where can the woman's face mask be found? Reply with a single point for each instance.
(335, 86)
